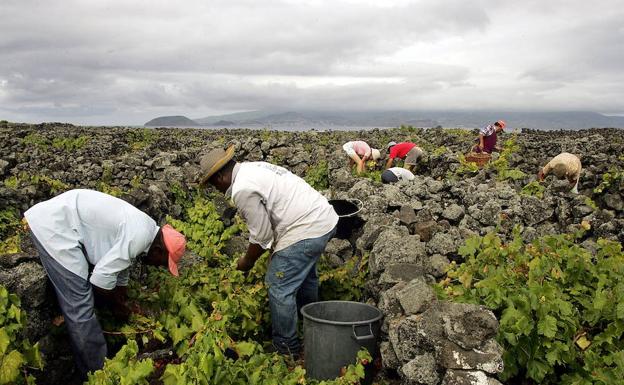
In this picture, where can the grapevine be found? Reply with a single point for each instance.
(561, 306)
(17, 356)
(214, 318)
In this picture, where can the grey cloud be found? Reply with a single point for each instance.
(582, 52)
(135, 60)
(262, 40)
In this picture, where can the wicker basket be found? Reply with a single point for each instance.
(480, 159)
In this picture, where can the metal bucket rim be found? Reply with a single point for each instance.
(357, 202)
(329, 322)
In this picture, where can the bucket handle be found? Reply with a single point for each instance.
(365, 337)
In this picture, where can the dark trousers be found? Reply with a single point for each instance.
(75, 297)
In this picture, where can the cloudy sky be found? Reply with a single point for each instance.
(125, 62)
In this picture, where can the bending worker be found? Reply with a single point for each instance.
(359, 152)
(80, 229)
(487, 137)
(404, 150)
(564, 165)
(285, 214)
(396, 174)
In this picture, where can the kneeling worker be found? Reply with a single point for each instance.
(396, 174)
(80, 229)
(359, 152)
(564, 165)
(285, 214)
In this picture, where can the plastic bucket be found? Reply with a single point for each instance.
(333, 333)
(348, 219)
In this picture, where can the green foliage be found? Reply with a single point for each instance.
(439, 151)
(10, 232)
(108, 189)
(107, 172)
(324, 138)
(501, 165)
(371, 172)
(514, 174)
(561, 308)
(17, 355)
(70, 144)
(123, 369)
(265, 134)
(37, 140)
(12, 182)
(104, 184)
(345, 282)
(181, 196)
(318, 176)
(11, 244)
(4, 124)
(590, 202)
(209, 309)
(252, 367)
(203, 228)
(408, 130)
(9, 221)
(141, 138)
(459, 132)
(466, 167)
(136, 181)
(534, 188)
(611, 180)
(55, 186)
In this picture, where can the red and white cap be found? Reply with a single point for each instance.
(175, 243)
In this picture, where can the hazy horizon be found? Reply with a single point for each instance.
(112, 62)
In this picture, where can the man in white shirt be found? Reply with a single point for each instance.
(396, 174)
(80, 229)
(285, 214)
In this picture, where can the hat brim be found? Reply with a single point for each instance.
(229, 154)
(173, 267)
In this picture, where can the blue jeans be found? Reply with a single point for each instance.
(293, 282)
(75, 298)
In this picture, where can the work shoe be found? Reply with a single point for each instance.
(286, 352)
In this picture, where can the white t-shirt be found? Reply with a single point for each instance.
(112, 232)
(279, 207)
(565, 165)
(402, 173)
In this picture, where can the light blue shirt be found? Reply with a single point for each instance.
(111, 231)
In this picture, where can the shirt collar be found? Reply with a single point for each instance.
(228, 192)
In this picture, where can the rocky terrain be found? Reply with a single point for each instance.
(411, 231)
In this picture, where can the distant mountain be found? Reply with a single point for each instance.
(235, 117)
(305, 120)
(224, 123)
(172, 121)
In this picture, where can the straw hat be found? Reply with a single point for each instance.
(213, 162)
